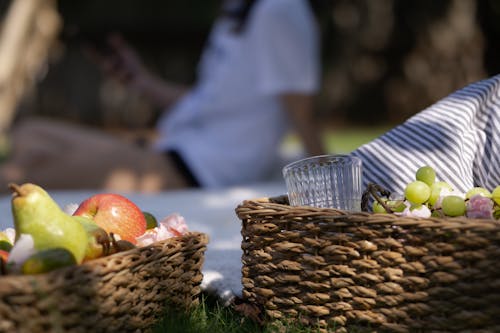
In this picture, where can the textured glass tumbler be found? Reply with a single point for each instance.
(327, 181)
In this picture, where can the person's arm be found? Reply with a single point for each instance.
(299, 108)
(123, 63)
(160, 92)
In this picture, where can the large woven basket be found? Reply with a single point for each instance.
(124, 292)
(338, 270)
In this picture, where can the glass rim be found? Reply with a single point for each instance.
(326, 157)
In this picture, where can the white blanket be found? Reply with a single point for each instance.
(208, 211)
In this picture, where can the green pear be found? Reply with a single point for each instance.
(37, 214)
(47, 260)
(98, 240)
(495, 194)
(5, 243)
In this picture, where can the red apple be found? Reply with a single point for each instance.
(114, 213)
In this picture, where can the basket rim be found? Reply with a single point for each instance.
(202, 238)
(267, 205)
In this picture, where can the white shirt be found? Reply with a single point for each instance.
(229, 127)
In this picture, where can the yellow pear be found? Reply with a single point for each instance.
(98, 240)
(37, 214)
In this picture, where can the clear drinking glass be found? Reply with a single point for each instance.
(328, 181)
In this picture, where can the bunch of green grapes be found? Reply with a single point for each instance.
(426, 196)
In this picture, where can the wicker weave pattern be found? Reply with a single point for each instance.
(339, 269)
(124, 292)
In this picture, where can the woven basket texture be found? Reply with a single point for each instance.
(338, 270)
(124, 292)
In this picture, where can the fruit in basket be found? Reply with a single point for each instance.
(394, 205)
(438, 190)
(477, 191)
(417, 192)
(426, 174)
(453, 205)
(5, 243)
(37, 214)
(378, 208)
(427, 196)
(496, 195)
(98, 240)
(151, 221)
(4, 255)
(496, 212)
(48, 260)
(173, 225)
(479, 207)
(115, 214)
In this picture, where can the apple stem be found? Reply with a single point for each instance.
(114, 245)
(16, 189)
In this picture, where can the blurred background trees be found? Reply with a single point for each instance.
(384, 60)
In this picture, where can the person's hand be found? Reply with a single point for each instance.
(120, 61)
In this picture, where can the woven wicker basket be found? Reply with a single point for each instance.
(339, 270)
(125, 292)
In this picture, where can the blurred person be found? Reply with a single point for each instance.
(258, 74)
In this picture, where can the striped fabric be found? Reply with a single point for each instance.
(459, 137)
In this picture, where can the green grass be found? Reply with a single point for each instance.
(345, 140)
(341, 140)
(208, 317)
(212, 317)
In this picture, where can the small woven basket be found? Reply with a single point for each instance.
(124, 292)
(338, 270)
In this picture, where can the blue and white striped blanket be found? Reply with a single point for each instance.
(459, 136)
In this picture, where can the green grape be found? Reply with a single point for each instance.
(395, 205)
(437, 213)
(496, 213)
(453, 205)
(496, 195)
(436, 191)
(417, 192)
(426, 174)
(378, 208)
(477, 190)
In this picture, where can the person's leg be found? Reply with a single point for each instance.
(59, 155)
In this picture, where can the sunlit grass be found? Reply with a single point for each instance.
(345, 140)
(339, 141)
(212, 317)
(208, 317)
